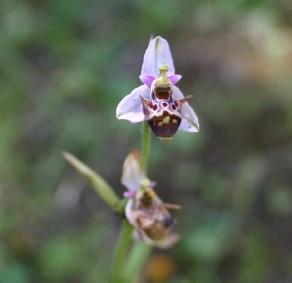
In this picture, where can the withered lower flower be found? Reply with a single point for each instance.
(159, 101)
(145, 211)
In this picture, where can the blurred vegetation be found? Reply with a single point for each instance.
(65, 65)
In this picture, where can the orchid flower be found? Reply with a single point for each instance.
(158, 101)
(145, 211)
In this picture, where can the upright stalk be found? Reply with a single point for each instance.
(136, 260)
(140, 250)
(122, 247)
(146, 139)
(124, 269)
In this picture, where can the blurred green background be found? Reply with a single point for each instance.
(64, 67)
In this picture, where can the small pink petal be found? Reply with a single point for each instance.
(147, 80)
(174, 78)
(129, 194)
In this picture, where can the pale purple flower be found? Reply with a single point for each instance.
(145, 211)
(158, 100)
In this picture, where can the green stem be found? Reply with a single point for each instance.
(140, 250)
(122, 247)
(146, 138)
(137, 258)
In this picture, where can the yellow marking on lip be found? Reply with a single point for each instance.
(174, 121)
(164, 121)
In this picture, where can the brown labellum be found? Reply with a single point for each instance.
(151, 218)
(162, 112)
(164, 125)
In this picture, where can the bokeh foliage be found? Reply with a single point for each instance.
(64, 66)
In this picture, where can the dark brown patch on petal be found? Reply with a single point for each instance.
(164, 125)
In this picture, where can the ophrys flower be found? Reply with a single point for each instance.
(159, 101)
(145, 211)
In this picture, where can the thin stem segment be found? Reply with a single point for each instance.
(122, 248)
(146, 139)
(137, 258)
(140, 250)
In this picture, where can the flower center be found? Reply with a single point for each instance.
(162, 86)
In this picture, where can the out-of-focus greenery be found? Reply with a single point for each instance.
(65, 65)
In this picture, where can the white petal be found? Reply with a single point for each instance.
(132, 172)
(190, 122)
(157, 53)
(130, 108)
